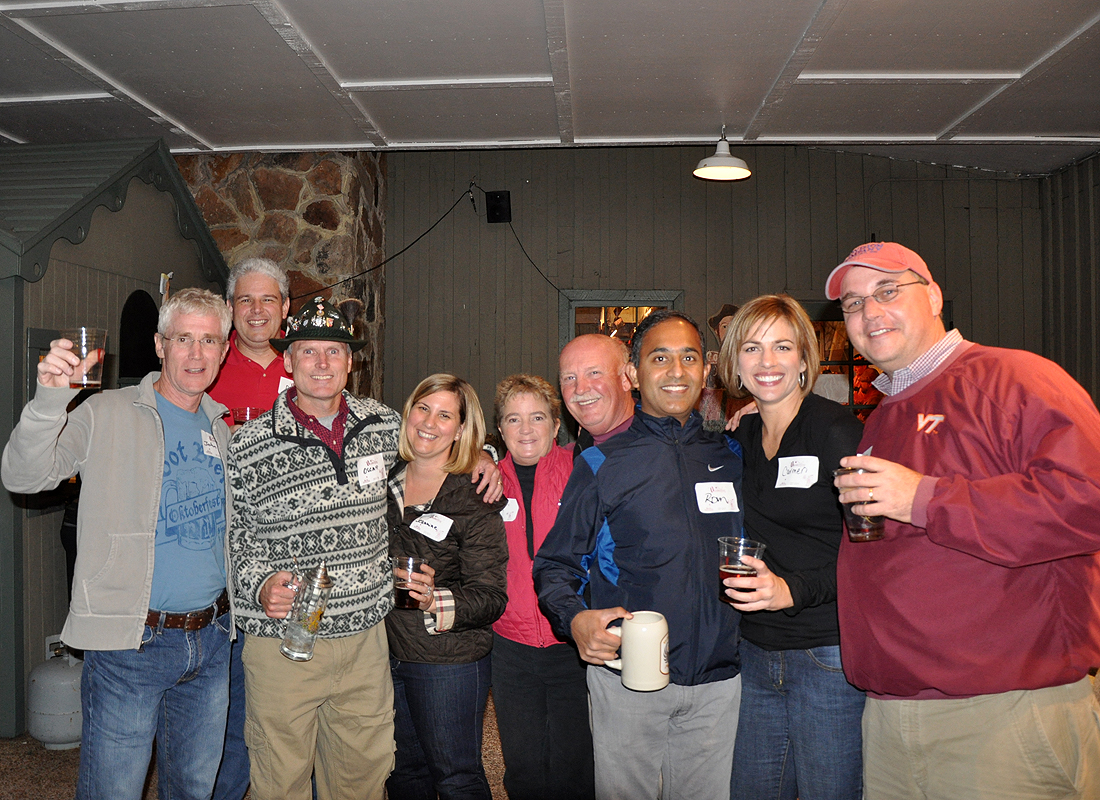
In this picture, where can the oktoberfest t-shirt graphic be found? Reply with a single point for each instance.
(189, 570)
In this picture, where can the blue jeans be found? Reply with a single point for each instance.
(439, 710)
(174, 688)
(799, 733)
(232, 780)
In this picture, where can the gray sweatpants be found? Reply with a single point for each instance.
(673, 743)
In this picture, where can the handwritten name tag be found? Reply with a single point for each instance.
(510, 511)
(210, 444)
(372, 469)
(797, 472)
(434, 526)
(718, 497)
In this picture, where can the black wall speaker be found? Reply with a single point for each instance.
(498, 207)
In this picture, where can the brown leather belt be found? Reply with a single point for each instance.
(192, 620)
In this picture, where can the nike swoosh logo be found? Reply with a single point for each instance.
(714, 469)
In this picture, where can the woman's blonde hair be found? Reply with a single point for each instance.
(466, 451)
(768, 308)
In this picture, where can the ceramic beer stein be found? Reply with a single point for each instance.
(643, 657)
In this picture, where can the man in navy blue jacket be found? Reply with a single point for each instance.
(638, 530)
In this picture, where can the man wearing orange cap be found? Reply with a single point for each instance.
(973, 623)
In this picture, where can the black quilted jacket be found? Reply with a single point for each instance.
(471, 561)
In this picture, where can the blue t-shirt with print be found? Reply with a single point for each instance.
(189, 566)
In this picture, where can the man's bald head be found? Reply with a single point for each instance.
(594, 385)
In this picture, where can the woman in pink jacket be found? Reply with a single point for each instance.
(539, 687)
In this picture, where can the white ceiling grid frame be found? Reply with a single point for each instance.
(938, 77)
(31, 11)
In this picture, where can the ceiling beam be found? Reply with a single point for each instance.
(822, 21)
(960, 78)
(294, 39)
(447, 83)
(558, 49)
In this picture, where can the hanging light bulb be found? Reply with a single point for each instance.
(722, 166)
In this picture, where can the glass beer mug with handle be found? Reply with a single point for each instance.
(310, 599)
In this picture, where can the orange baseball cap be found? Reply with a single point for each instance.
(883, 256)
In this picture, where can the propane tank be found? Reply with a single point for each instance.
(53, 702)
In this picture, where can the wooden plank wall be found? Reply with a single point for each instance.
(1071, 217)
(465, 299)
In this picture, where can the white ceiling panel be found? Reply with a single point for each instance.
(871, 110)
(81, 121)
(413, 40)
(429, 117)
(1063, 101)
(662, 119)
(947, 35)
(640, 68)
(26, 71)
(221, 73)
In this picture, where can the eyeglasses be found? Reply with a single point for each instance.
(185, 342)
(883, 295)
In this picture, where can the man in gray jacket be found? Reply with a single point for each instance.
(149, 604)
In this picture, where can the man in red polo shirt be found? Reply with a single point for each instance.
(253, 374)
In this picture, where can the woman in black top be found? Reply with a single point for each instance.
(799, 729)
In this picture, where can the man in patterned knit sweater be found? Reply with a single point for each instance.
(309, 484)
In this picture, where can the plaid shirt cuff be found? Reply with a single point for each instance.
(443, 618)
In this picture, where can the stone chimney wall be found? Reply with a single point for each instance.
(319, 215)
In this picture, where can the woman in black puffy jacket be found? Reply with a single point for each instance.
(439, 651)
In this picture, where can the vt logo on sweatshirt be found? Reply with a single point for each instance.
(928, 422)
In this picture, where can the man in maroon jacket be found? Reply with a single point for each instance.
(973, 624)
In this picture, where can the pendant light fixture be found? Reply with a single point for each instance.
(722, 166)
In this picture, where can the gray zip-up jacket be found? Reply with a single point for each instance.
(115, 440)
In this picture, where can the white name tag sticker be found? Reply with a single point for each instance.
(718, 497)
(284, 384)
(797, 472)
(434, 526)
(210, 445)
(372, 469)
(510, 511)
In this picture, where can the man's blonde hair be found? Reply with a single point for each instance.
(200, 302)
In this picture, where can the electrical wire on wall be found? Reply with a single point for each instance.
(468, 193)
(522, 249)
(385, 261)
